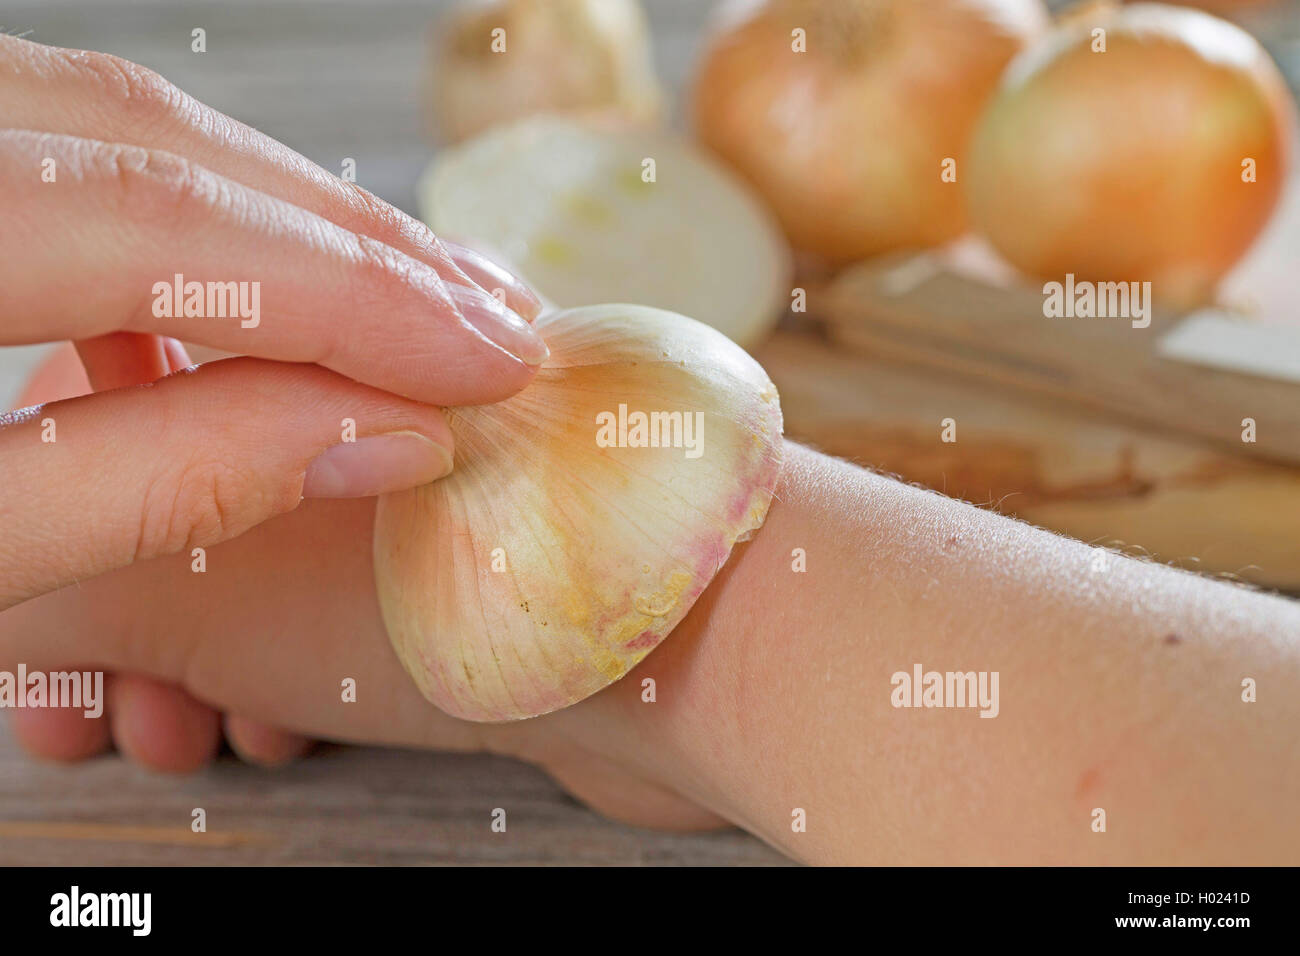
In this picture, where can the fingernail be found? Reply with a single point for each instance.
(488, 275)
(374, 465)
(504, 327)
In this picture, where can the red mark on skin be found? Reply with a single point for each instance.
(646, 639)
(1172, 638)
(1088, 781)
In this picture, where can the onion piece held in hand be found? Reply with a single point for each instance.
(590, 214)
(847, 139)
(1129, 165)
(502, 60)
(564, 548)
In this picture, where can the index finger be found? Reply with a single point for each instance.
(103, 97)
(129, 239)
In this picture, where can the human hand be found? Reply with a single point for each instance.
(256, 647)
(117, 180)
(98, 214)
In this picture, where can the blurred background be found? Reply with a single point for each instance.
(921, 296)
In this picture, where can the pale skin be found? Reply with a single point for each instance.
(775, 692)
(1120, 682)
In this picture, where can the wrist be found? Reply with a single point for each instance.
(700, 714)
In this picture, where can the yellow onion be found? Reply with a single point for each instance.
(1228, 7)
(1127, 165)
(558, 56)
(847, 140)
(563, 547)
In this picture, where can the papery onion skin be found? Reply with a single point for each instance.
(1127, 165)
(846, 141)
(603, 550)
(568, 56)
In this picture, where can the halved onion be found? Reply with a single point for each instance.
(562, 550)
(567, 204)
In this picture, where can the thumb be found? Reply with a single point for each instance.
(98, 482)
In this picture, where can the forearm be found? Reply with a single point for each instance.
(1120, 687)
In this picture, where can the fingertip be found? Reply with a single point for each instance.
(61, 734)
(376, 465)
(264, 745)
(501, 325)
(120, 359)
(495, 279)
(160, 726)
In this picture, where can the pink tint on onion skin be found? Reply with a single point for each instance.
(647, 639)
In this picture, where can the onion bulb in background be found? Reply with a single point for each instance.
(1226, 8)
(1127, 165)
(591, 213)
(847, 140)
(564, 547)
(548, 56)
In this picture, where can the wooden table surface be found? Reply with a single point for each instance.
(331, 79)
(341, 805)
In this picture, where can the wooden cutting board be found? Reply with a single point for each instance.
(1082, 471)
(1203, 376)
